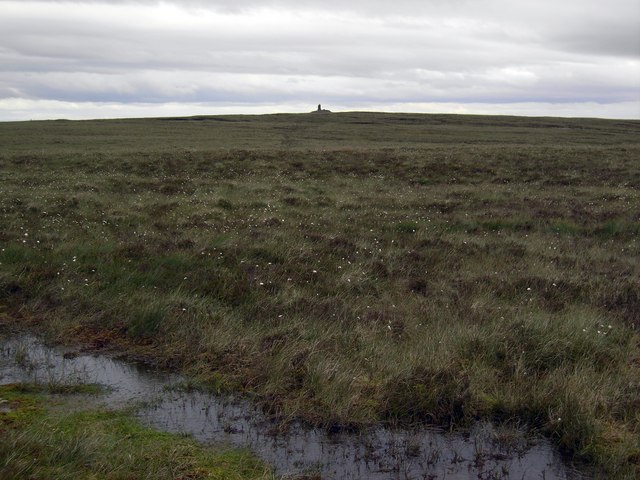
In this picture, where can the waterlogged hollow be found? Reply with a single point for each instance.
(375, 453)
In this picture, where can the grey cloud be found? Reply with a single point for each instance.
(245, 52)
(355, 48)
(612, 40)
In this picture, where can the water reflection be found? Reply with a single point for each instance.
(375, 453)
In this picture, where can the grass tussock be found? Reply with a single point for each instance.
(414, 269)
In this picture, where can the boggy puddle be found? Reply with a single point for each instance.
(484, 452)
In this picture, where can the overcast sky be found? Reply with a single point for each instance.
(126, 58)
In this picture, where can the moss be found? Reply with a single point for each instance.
(40, 441)
(17, 409)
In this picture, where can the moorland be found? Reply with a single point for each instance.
(348, 268)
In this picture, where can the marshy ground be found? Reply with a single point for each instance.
(50, 437)
(346, 268)
(102, 384)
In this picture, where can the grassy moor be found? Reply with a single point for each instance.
(346, 268)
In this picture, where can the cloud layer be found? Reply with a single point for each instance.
(67, 59)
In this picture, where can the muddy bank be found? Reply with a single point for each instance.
(376, 453)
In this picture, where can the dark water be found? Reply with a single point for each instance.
(375, 453)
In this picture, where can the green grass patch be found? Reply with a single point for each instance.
(42, 439)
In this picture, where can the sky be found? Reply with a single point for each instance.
(145, 58)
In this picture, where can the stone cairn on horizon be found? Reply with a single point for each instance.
(321, 110)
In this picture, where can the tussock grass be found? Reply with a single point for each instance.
(348, 269)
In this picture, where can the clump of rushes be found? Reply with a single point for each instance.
(39, 441)
(415, 268)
